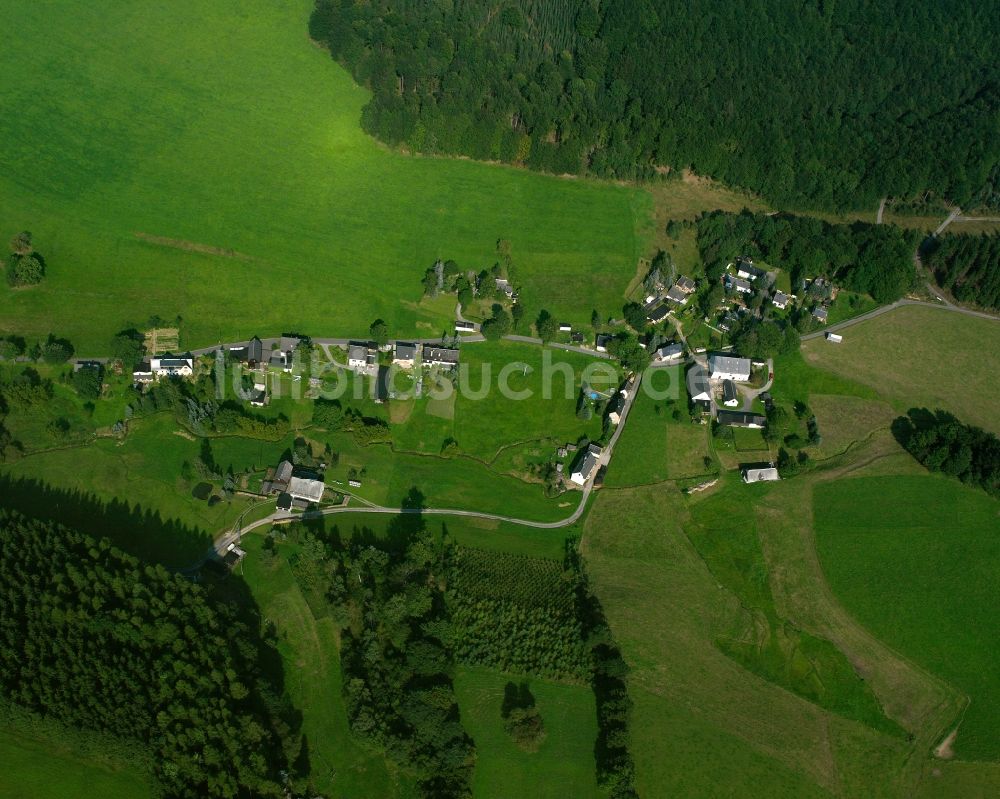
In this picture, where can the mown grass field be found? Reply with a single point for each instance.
(564, 763)
(34, 768)
(916, 559)
(338, 763)
(207, 161)
(921, 357)
(704, 724)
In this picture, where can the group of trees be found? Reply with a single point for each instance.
(871, 259)
(515, 614)
(92, 637)
(25, 267)
(521, 719)
(756, 338)
(813, 105)
(395, 649)
(968, 267)
(944, 444)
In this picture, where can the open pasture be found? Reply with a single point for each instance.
(207, 161)
(915, 559)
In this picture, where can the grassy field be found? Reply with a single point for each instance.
(338, 764)
(668, 609)
(483, 426)
(44, 769)
(916, 560)
(184, 159)
(564, 763)
(655, 446)
(916, 357)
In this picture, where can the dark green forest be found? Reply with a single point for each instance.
(968, 267)
(822, 103)
(944, 444)
(93, 638)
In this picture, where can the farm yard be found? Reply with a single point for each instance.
(214, 172)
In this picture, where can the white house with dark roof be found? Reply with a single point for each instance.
(730, 396)
(780, 300)
(587, 465)
(362, 357)
(678, 296)
(821, 314)
(685, 284)
(172, 366)
(670, 352)
(738, 284)
(726, 367)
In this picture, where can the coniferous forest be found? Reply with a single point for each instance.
(816, 104)
(968, 267)
(93, 638)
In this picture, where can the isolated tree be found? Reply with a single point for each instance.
(498, 325)
(21, 244)
(55, 350)
(87, 382)
(379, 332)
(595, 320)
(547, 326)
(25, 270)
(11, 347)
(516, 315)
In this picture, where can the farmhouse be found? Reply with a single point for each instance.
(404, 354)
(678, 296)
(587, 465)
(169, 365)
(741, 419)
(759, 474)
(730, 396)
(306, 488)
(780, 300)
(820, 313)
(685, 284)
(670, 352)
(725, 367)
(601, 342)
(736, 284)
(251, 353)
(361, 357)
(439, 356)
(505, 288)
(277, 479)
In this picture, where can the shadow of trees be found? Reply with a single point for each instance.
(137, 531)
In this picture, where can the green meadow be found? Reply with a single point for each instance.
(564, 762)
(42, 768)
(206, 160)
(916, 559)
